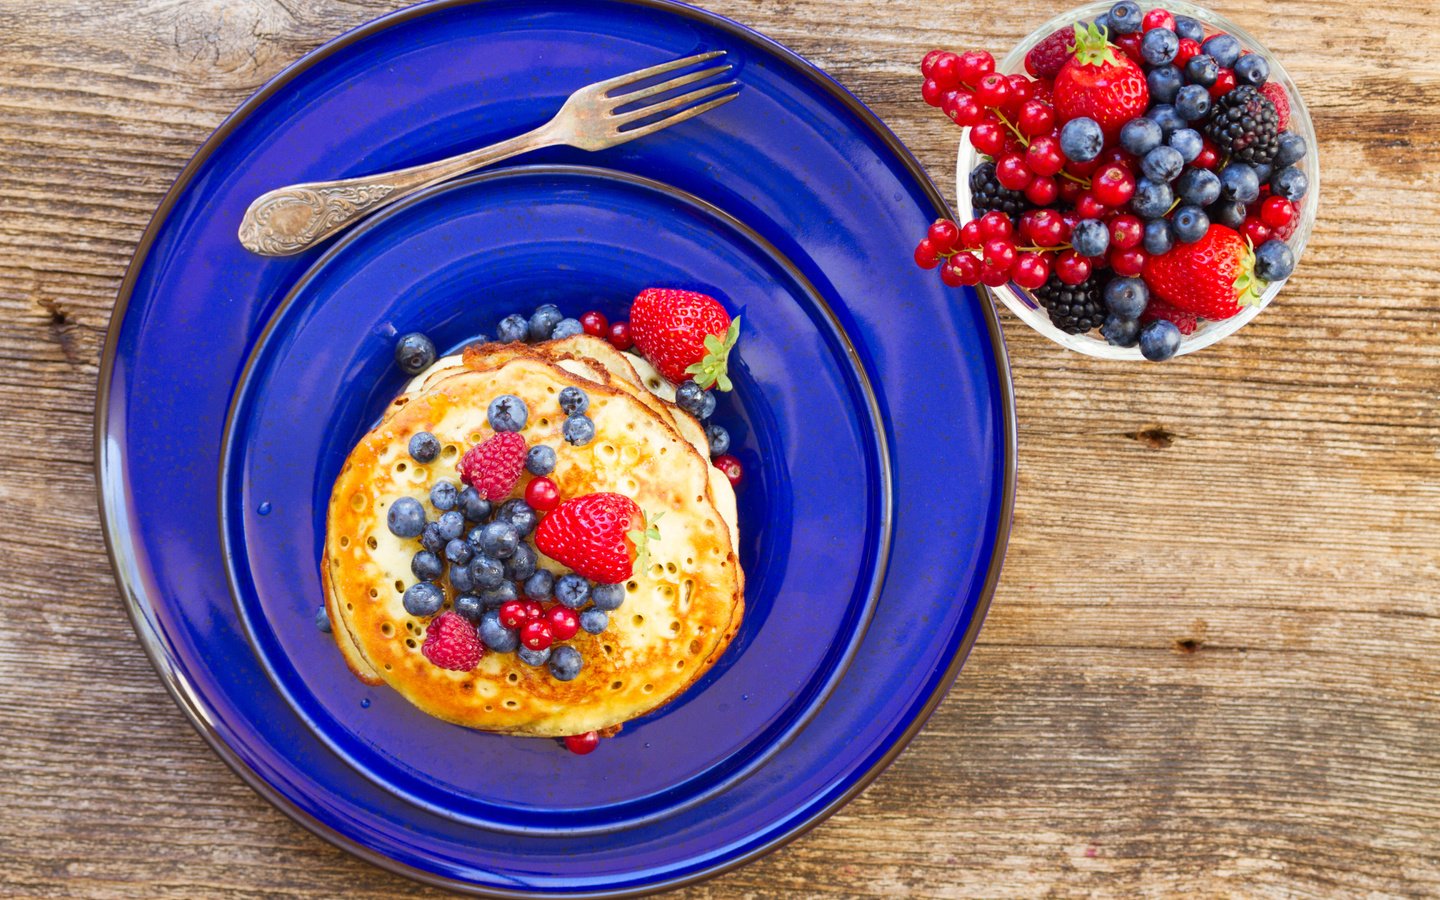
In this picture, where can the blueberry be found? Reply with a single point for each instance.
(1198, 186)
(406, 518)
(1193, 102)
(444, 496)
(469, 606)
(1292, 150)
(496, 596)
(594, 620)
(1263, 171)
(1166, 117)
(518, 513)
(426, 565)
(1164, 83)
(1164, 164)
(540, 460)
(542, 322)
(1152, 199)
(423, 599)
(474, 507)
(573, 401)
(1125, 17)
(522, 565)
(1190, 224)
(533, 657)
(1274, 261)
(1289, 183)
(1251, 69)
(1230, 213)
(322, 620)
(513, 328)
(1140, 136)
(541, 585)
(578, 430)
(487, 572)
(499, 539)
(459, 552)
(508, 413)
(608, 596)
(1126, 297)
(1202, 70)
(461, 579)
(1223, 48)
(565, 663)
(1120, 332)
(1239, 182)
(1187, 27)
(1159, 237)
(567, 328)
(572, 590)
(452, 525)
(1159, 340)
(1102, 21)
(691, 397)
(1159, 46)
(424, 447)
(1090, 238)
(718, 438)
(707, 406)
(1081, 139)
(430, 538)
(494, 635)
(414, 352)
(1188, 141)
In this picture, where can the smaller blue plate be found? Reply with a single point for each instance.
(814, 508)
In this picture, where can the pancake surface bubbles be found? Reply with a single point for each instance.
(678, 615)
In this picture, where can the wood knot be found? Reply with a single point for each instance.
(1155, 437)
(1188, 645)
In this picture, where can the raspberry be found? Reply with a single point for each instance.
(1276, 95)
(493, 466)
(451, 643)
(1159, 309)
(1047, 58)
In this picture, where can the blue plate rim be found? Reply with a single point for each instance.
(136, 601)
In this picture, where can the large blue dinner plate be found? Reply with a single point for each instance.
(863, 379)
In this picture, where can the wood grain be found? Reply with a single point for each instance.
(1213, 665)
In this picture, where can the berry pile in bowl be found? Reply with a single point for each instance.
(1134, 182)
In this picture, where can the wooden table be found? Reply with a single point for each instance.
(1213, 665)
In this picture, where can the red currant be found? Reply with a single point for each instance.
(926, 256)
(1208, 157)
(533, 609)
(1083, 169)
(536, 634)
(1071, 267)
(962, 269)
(971, 235)
(595, 323)
(1044, 155)
(988, 138)
(928, 63)
(1257, 231)
(513, 614)
(1031, 271)
(1043, 191)
(1070, 191)
(1089, 206)
(581, 744)
(1044, 228)
(1130, 44)
(1113, 185)
(1126, 231)
(1036, 118)
(1127, 262)
(974, 65)
(995, 224)
(1042, 89)
(1189, 49)
(999, 254)
(731, 466)
(930, 92)
(1277, 212)
(1224, 84)
(945, 71)
(620, 336)
(1157, 18)
(993, 90)
(563, 622)
(542, 494)
(994, 277)
(1116, 156)
(1012, 172)
(1021, 89)
(962, 109)
(943, 235)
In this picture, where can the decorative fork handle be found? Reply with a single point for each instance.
(294, 218)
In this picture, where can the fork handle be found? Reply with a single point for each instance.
(294, 218)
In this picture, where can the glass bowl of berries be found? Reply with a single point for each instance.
(1135, 181)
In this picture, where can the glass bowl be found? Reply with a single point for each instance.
(1020, 301)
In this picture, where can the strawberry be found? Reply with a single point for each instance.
(1212, 278)
(684, 334)
(451, 643)
(492, 467)
(1100, 84)
(1159, 309)
(1276, 95)
(598, 535)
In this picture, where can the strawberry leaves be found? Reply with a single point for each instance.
(641, 538)
(1248, 286)
(1092, 46)
(713, 369)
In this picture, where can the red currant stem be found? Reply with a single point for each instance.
(1036, 248)
(1024, 141)
(1083, 182)
(1174, 206)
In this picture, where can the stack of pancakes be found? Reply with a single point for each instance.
(679, 614)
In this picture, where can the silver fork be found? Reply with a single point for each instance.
(293, 219)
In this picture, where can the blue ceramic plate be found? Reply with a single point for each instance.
(792, 202)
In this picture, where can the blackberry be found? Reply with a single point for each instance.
(986, 193)
(1074, 309)
(1244, 124)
